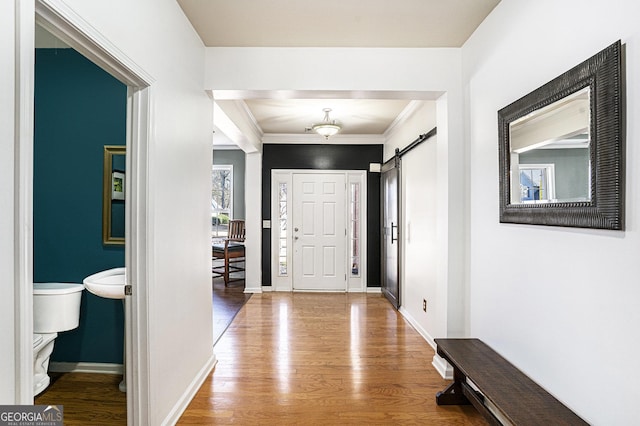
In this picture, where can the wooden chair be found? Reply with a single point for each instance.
(232, 251)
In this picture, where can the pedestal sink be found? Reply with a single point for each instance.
(110, 285)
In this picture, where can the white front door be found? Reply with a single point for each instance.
(319, 232)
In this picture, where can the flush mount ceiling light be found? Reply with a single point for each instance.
(328, 127)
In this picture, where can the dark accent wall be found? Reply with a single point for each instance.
(235, 157)
(325, 157)
(79, 108)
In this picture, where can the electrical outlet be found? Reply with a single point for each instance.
(424, 305)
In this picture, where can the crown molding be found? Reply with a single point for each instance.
(313, 138)
(250, 119)
(404, 115)
(232, 120)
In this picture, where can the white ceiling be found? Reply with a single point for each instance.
(357, 116)
(332, 23)
(336, 23)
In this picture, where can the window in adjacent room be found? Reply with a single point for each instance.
(221, 199)
(537, 183)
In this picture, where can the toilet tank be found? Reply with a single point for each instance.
(56, 306)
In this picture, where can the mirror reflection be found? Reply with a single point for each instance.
(550, 152)
(113, 190)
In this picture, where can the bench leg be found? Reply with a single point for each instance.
(453, 394)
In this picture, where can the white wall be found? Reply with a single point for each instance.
(419, 216)
(253, 222)
(180, 311)
(254, 68)
(420, 241)
(561, 304)
(167, 48)
(7, 254)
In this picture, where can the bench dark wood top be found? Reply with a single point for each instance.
(519, 399)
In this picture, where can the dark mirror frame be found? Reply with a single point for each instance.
(603, 74)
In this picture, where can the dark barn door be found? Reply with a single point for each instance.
(390, 230)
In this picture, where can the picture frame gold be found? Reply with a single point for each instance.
(113, 191)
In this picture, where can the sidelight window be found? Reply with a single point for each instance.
(282, 223)
(354, 228)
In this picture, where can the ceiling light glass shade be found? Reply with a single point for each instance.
(326, 130)
(328, 127)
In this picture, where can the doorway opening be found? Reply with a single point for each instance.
(64, 24)
(80, 120)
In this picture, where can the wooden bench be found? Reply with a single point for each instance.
(518, 399)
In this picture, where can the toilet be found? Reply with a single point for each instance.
(56, 308)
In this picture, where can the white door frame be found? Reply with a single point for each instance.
(284, 282)
(63, 22)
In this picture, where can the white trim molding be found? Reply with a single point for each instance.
(23, 201)
(312, 138)
(441, 366)
(86, 367)
(177, 410)
(232, 120)
(250, 119)
(60, 20)
(404, 115)
(407, 315)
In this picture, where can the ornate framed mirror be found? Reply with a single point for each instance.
(561, 149)
(113, 195)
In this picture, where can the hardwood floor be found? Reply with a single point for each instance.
(296, 358)
(88, 398)
(322, 359)
(94, 399)
(227, 301)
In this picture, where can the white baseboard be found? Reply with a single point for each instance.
(441, 366)
(418, 327)
(85, 367)
(374, 290)
(177, 410)
(253, 290)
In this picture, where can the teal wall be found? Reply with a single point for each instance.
(78, 109)
(235, 157)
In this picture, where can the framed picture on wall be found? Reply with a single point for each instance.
(117, 185)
